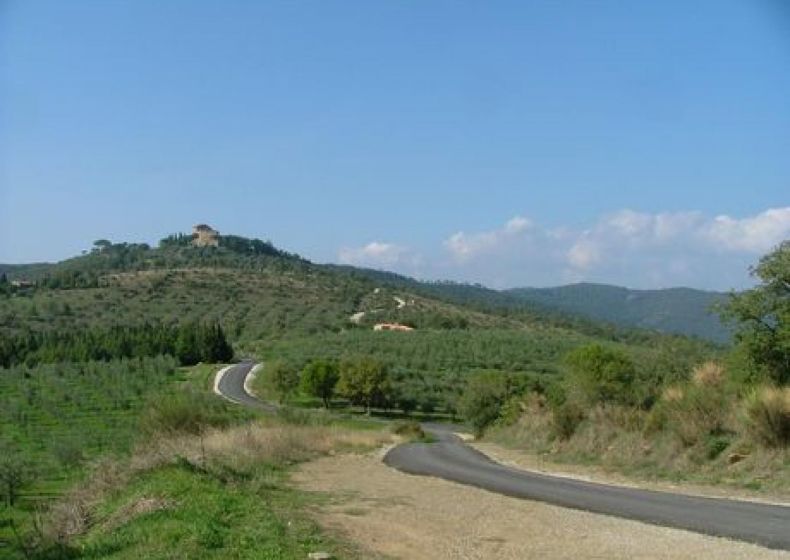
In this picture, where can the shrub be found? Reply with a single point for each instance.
(409, 429)
(565, 418)
(281, 378)
(601, 374)
(189, 411)
(693, 412)
(715, 445)
(483, 398)
(768, 416)
(511, 411)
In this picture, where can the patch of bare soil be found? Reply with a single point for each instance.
(396, 515)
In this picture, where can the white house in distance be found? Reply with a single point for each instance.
(392, 327)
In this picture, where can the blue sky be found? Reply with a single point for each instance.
(511, 143)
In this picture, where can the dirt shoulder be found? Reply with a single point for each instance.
(391, 514)
(592, 473)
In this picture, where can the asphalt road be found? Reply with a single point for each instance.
(449, 458)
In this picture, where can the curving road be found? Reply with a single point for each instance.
(449, 458)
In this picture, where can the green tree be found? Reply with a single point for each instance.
(187, 349)
(483, 398)
(319, 379)
(762, 317)
(364, 381)
(15, 474)
(601, 374)
(282, 379)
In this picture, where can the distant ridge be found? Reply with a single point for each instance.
(679, 310)
(595, 309)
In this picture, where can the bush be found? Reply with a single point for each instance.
(715, 445)
(483, 398)
(693, 412)
(601, 374)
(189, 411)
(565, 418)
(409, 429)
(511, 411)
(281, 378)
(768, 416)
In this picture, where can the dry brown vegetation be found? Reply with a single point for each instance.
(239, 449)
(703, 431)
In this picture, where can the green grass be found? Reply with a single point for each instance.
(60, 417)
(203, 516)
(223, 494)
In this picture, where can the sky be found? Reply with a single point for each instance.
(536, 143)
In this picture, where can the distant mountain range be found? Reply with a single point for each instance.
(678, 310)
(685, 311)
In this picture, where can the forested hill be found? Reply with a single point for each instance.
(679, 310)
(257, 291)
(593, 308)
(253, 289)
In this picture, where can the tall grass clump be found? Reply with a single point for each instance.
(189, 411)
(767, 416)
(696, 411)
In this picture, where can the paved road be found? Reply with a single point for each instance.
(449, 458)
(231, 385)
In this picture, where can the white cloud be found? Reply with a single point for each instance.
(677, 234)
(517, 224)
(464, 246)
(584, 254)
(377, 254)
(625, 247)
(756, 234)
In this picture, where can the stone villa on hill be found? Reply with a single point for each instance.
(205, 236)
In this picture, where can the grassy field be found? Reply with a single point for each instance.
(223, 493)
(58, 418)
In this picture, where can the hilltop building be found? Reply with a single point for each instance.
(205, 236)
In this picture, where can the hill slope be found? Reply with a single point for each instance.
(679, 310)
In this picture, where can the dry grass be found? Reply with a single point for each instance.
(239, 449)
(709, 374)
(767, 412)
(700, 430)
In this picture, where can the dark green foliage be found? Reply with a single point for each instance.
(365, 381)
(282, 378)
(565, 418)
(188, 411)
(319, 379)
(16, 472)
(762, 317)
(410, 430)
(56, 416)
(485, 394)
(191, 343)
(601, 374)
(715, 445)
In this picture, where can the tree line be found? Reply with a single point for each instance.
(190, 343)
